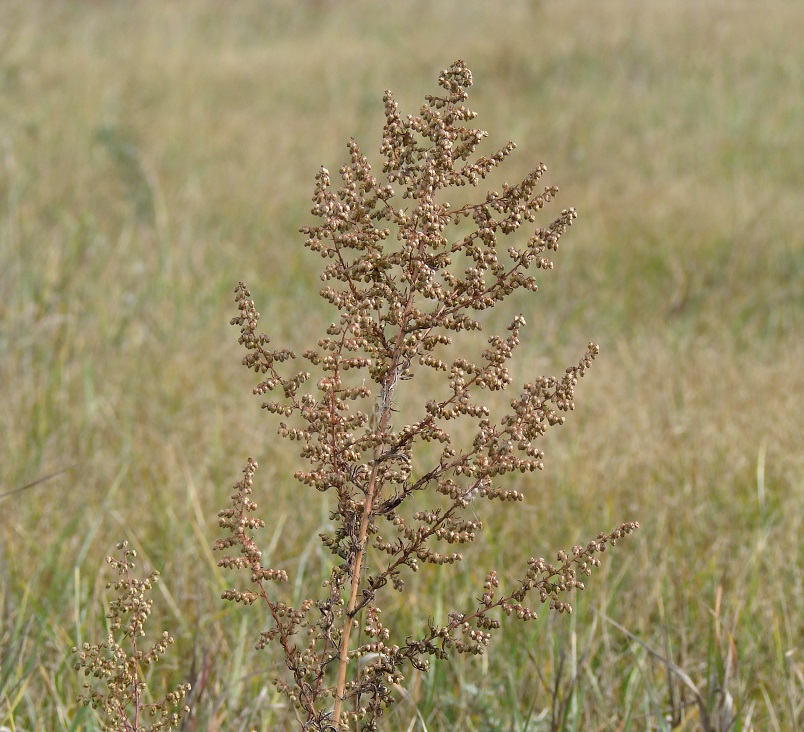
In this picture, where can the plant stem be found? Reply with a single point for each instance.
(357, 563)
(371, 493)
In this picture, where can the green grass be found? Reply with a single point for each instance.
(153, 154)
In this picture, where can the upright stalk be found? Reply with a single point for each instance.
(408, 275)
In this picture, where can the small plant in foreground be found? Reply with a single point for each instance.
(400, 494)
(124, 703)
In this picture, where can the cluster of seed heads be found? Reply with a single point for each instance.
(120, 662)
(408, 274)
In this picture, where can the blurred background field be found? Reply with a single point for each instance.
(152, 154)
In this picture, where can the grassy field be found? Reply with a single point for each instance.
(152, 154)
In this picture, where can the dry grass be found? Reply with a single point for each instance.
(154, 154)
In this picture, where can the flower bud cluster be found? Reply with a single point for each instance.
(409, 275)
(121, 664)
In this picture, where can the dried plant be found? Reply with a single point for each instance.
(405, 288)
(123, 703)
